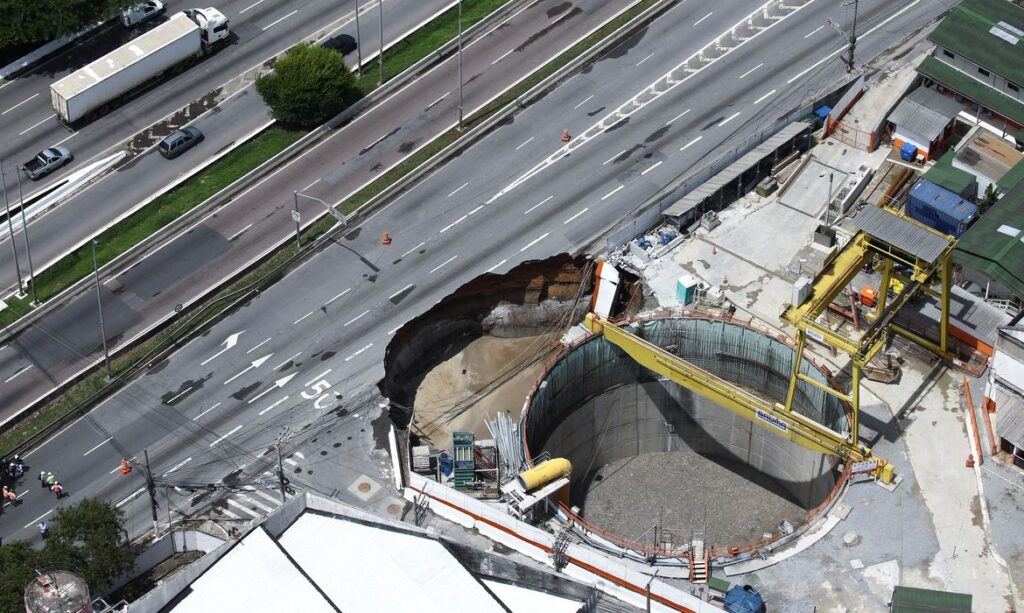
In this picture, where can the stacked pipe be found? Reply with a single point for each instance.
(505, 432)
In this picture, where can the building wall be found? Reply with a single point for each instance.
(971, 69)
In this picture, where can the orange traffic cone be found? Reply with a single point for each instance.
(385, 239)
(565, 136)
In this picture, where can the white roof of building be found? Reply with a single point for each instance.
(524, 600)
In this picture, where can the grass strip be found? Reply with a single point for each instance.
(72, 400)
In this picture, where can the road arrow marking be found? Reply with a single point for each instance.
(228, 344)
(255, 364)
(277, 385)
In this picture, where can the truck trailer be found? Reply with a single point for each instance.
(93, 89)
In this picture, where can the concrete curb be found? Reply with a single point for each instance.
(42, 52)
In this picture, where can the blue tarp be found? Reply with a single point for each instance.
(744, 600)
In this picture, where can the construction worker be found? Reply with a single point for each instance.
(42, 478)
(9, 495)
(44, 530)
(58, 489)
(50, 480)
(125, 466)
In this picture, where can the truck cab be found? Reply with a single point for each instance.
(214, 26)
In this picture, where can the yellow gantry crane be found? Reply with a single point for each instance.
(882, 232)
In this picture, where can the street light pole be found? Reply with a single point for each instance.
(380, 55)
(298, 223)
(10, 225)
(461, 126)
(359, 45)
(28, 249)
(103, 331)
(330, 209)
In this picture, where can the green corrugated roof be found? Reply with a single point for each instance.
(946, 176)
(1012, 177)
(993, 244)
(719, 585)
(952, 78)
(914, 600)
(966, 32)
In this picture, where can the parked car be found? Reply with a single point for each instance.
(342, 43)
(46, 161)
(142, 11)
(180, 141)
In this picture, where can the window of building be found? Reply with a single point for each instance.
(983, 72)
(948, 54)
(1012, 87)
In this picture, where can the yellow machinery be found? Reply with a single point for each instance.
(884, 233)
(544, 473)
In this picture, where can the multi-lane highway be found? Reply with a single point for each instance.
(216, 96)
(306, 350)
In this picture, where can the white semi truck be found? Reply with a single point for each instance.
(93, 89)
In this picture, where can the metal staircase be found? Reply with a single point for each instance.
(700, 559)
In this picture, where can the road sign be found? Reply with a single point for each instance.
(296, 216)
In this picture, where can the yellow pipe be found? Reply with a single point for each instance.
(544, 473)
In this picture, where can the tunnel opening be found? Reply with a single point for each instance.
(655, 462)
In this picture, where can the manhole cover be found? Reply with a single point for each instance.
(364, 487)
(393, 509)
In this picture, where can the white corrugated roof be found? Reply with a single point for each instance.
(524, 600)
(254, 576)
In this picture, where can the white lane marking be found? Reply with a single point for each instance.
(813, 32)
(353, 320)
(527, 211)
(400, 291)
(534, 241)
(228, 343)
(239, 233)
(338, 296)
(670, 121)
(443, 96)
(131, 497)
(227, 513)
(503, 56)
(52, 438)
(273, 406)
(443, 264)
(751, 70)
(687, 145)
(240, 507)
(290, 462)
(31, 523)
(180, 394)
(206, 411)
(274, 387)
(566, 222)
(36, 125)
(458, 189)
(272, 24)
(728, 119)
(358, 352)
(264, 495)
(393, 330)
(762, 98)
(492, 268)
(524, 143)
(255, 364)
(303, 317)
(26, 100)
(258, 346)
(11, 378)
(585, 100)
(611, 159)
(649, 56)
(254, 4)
(221, 438)
(696, 23)
(475, 210)
(101, 443)
(611, 193)
(177, 466)
(318, 377)
(311, 185)
(408, 252)
(65, 139)
(659, 163)
(453, 224)
(288, 360)
(299, 454)
(841, 49)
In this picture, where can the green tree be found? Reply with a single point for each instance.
(18, 564)
(309, 85)
(39, 21)
(87, 538)
(991, 197)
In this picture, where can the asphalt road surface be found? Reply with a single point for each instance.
(228, 110)
(295, 363)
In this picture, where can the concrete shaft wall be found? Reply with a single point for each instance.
(595, 405)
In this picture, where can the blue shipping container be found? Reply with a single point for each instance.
(940, 208)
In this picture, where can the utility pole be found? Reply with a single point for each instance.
(648, 589)
(359, 45)
(10, 226)
(851, 36)
(167, 501)
(380, 56)
(298, 223)
(280, 472)
(99, 304)
(28, 249)
(151, 487)
(461, 125)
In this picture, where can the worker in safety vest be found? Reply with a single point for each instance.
(58, 489)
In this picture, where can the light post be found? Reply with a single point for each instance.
(648, 589)
(298, 224)
(10, 226)
(99, 304)
(460, 67)
(330, 209)
(28, 249)
(380, 55)
(359, 45)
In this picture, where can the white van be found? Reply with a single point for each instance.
(142, 11)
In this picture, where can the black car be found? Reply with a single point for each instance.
(179, 142)
(342, 43)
